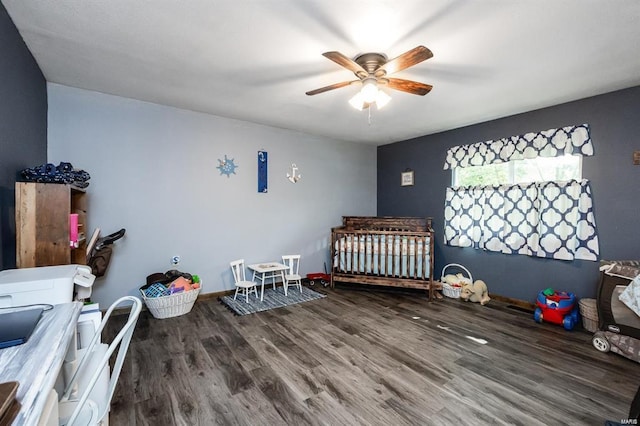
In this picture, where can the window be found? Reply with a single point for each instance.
(523, 195)
(539, 169)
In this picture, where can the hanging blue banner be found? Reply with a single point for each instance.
(262, 171)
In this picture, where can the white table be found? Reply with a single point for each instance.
(37, 363)
(264, 271)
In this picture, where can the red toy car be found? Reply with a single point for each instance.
(557, 308)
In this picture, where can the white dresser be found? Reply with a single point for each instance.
(37, 364)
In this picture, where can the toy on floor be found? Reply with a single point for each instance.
(457, 280)
(476, 292)
(322, 278)
(452, 283)
(557, 308)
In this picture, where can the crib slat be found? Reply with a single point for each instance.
(384, 255)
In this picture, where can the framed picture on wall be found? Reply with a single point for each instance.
(407, 178)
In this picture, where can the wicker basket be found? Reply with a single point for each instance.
(589, 313)
(173, 305)
(449, 290)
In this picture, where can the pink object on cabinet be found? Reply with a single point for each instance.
(73, 230)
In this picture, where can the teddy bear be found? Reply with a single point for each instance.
(476, 292)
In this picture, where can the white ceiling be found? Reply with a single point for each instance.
(254, 60)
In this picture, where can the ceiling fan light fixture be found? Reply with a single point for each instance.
(382, 99)
(369, 89)
(357, 101)
(372, 71)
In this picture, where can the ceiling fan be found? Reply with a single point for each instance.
(372, 70)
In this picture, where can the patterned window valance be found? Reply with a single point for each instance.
(574, 140)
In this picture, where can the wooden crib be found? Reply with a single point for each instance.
(386, 251)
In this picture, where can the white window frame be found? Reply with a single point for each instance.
(511, 171)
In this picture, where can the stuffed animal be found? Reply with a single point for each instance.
(476, 292)
(462, 280)
(456, 280)
(450, 279)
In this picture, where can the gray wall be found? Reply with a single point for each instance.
(23, 126)
(153, 172)
(614, 180)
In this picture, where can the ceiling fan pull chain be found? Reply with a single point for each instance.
(369, 109)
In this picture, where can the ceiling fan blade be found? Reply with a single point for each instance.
(331, 87)
(346, 62)
(406, 60)
(408, 86)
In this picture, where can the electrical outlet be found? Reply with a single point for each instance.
(175, 260)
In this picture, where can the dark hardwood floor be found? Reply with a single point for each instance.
(368, 357)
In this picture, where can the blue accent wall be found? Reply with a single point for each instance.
(615, 182)
(23, 126)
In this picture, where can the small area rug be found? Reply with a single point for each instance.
(272, 299)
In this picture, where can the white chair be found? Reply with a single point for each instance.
(291, 276)
(243, 286)
(87, 397)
